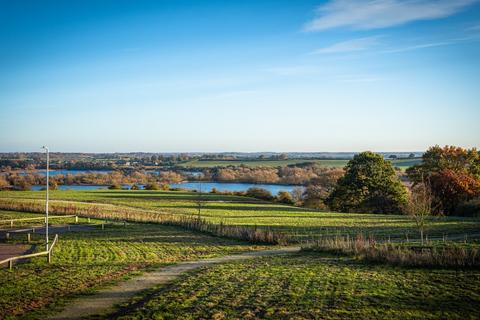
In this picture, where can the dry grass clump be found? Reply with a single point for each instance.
(113, 212)
(369, 249)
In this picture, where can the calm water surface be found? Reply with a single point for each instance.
(203, 186)
(232, 186)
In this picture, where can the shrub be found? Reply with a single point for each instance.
(23, 186)
(284, 197)
(115, 186)
(469, 208)
(259, 193)
(318, 189)
(152, 186)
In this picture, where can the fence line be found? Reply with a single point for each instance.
(132, 214)
(11, 221)
(47, 253)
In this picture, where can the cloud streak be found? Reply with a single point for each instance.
(448, 42)
(376, 14)
(420, 46)
(352, 45)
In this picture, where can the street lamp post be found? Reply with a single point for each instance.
(46, 203)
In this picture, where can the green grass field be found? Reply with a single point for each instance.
(313, 286)
(297, 222)
(305, 286)
(401, 163)
(83, 261)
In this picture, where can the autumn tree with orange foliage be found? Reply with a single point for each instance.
(452, 174)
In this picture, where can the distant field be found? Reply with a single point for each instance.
(402, 164)
(314, 286)
(297, 222)
(86, 260)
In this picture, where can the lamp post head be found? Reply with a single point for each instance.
(46, 148)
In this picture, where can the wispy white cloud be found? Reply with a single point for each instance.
(448, 42)
(375, 14)
(419, 46)
(474, 28)
(359, 44)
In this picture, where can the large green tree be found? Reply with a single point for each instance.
(369, 185)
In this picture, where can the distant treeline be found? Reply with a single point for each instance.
(283, 175)
(25, 181)
(294, 175)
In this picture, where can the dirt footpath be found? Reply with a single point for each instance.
(105, 300)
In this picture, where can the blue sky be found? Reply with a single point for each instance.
(281, 75)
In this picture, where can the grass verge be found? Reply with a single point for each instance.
(314, 286)
(83, 261)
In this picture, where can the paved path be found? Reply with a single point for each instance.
(105, 300)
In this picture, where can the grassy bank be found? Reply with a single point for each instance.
(89, 259)
(299, 223)
(314, 286)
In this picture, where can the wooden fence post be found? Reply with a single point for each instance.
(7, 235)
(28, 237)
(10, 264)
(49, 257)
(76, 219)
(88, 219)
(103, 226)
(11, 223)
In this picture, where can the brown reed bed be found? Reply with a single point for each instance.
(368, 249)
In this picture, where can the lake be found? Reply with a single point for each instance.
(232, 186)
(204, 186)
